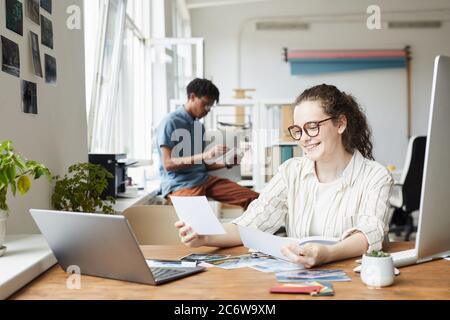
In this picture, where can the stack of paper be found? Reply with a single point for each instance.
(312, 275)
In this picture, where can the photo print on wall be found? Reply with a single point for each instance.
(29, 97)
(36, 54)
(33, 10)
(14, 16)
(10, 57)
(46, 32)
(47, 5)
(50, 70)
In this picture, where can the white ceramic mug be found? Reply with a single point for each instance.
(377, 271)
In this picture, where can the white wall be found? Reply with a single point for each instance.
(57, 136)
(382, 92)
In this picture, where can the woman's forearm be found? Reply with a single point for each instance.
(353, 246)
(230, 239)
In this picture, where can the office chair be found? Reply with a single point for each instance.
(407, 199)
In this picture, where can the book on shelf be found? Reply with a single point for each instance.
(278, 154)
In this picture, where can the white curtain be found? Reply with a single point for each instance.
(103, 116)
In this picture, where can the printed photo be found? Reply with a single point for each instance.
(275, 265)
(14, 16)
(29, 97)
(50, 69)
(46, 32)
(235, 262)
(47, 5)
(10, 57)
(311, 275)
(204, 257)
(33, 10)
(36, 54)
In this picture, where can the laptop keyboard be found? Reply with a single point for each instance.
(163, 273)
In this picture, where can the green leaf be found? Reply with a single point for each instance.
(11, 174)
(19, 162)
(38, 172)
(13, 188)
(4, 177)
(6, 146)
(24, 184)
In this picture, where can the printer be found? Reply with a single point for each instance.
(117, 165)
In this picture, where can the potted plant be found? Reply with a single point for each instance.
(80, 190)
(377, 269)
(16, 174)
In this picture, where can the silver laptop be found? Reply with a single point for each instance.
(102, 246)
(433, 234)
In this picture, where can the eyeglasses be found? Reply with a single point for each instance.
(207, 104)
(312, 129)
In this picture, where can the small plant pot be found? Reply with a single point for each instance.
(377, 272)
(3, 218)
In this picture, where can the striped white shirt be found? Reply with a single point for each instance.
(360, 203)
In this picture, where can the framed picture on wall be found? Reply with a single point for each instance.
(47, 5)
(46, 32)
(36, 54)
(29, 97)
(10, 57)
(50, 70)
(14, 16)
(32, 7)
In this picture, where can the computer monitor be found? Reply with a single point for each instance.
(433, 235)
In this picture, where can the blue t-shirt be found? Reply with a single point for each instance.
(184, 135)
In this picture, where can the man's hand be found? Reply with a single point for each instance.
(310, 255)
(214, 152)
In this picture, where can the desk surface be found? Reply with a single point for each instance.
(425, 281)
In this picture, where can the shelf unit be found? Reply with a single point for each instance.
(264, 132)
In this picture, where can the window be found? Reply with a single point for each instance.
(120, 104)
(133, 72)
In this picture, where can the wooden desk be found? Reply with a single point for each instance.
(426, 281)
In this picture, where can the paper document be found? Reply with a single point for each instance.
(270, 244)
(229, 157)
(318, 239)
(264, 242)
(197, 213)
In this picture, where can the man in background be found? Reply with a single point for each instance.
(184, 161)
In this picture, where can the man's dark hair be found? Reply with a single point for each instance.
(203, 88)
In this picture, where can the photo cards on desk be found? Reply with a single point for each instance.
(14, 16)
(10, 57)
(50, 70)
(29, 97)
(36, 54)
(47, 5)
(46, 32)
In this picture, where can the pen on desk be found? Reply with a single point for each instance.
(177, 262)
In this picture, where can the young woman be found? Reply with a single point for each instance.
(335, 190)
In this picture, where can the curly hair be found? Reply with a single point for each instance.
(335, 103)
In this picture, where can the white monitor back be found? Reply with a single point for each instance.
(433, 235)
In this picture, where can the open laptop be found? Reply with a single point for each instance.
(102, 246)
(433, 235)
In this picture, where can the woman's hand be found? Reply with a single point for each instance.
(188, 236)
(310, 255)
